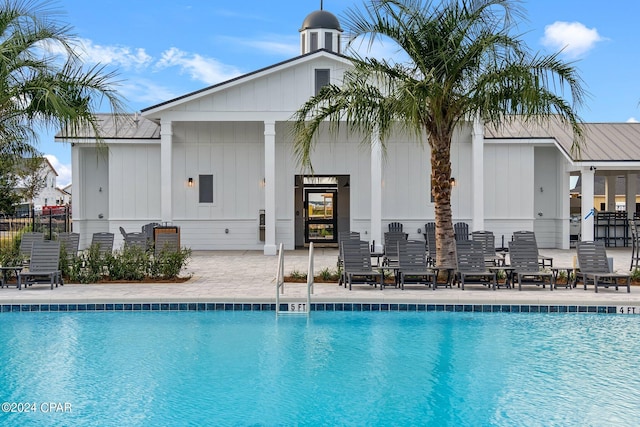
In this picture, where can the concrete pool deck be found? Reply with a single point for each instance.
(249, 277)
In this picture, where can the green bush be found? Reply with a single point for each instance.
(168, 264)
(129, 264)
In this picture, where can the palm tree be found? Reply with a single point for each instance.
(463, 62)
(42, 81)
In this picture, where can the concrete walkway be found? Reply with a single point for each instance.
(249, 276)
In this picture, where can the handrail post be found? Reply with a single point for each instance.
(279, 277)
(310, 278)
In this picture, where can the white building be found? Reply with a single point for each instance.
(212, 161)
(50, 194)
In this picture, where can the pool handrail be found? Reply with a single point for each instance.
(280, 280)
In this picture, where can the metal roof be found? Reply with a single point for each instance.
(321, 19)
(604, 142)
(132, 126)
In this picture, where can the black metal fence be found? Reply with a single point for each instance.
(49, 220)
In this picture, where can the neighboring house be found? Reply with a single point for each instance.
(50, 195)
(219, 164)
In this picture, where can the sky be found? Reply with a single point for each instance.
(163, 49)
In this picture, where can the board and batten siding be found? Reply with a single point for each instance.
(283, 91)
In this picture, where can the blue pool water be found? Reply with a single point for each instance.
(251, 368)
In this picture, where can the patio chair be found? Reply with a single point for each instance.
(136, 240)
(430, 239)
(26, 242)
(69, 243)
(545, 261)
(461, 230)
(357, 265)
(342, 236)
(593, 267)
(147, 230)
(395, 227)
(391, 239)
(167, 242)
(634, 226)
(412, 264)
(471, 264)
(488, 245)
(44, 263)
(104, 241)
(523, 255)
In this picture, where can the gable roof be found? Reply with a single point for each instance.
(243, 78)
(604, 142)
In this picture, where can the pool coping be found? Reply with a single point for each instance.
(315, 307)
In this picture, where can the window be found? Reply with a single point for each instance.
(328, 41)
(338, 50)
(205, 186)
(322, 79)
(314, 42)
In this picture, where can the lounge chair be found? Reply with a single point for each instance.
(461, 230)
(391, 239)
(167, 242)
(524, 265)
(357, 264)
(26, 242)
(395, 227)
(594, 267)
(69, 243)
(136, 240)
(430, 239)
(412, 264)
(342, 236)
(471, 264)
(488, 244)
(44, 263)
(104, 241)
(545, 261)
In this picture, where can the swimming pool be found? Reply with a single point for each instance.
(333, 368)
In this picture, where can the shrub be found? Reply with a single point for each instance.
(169, 263)
(129, 264)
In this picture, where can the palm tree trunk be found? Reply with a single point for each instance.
(441, 192)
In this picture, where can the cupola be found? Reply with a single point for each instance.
(320, 30)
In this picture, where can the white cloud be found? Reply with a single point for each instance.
(122, 56)
(64, 170)
(207, 70)
(574, 38)
(632, 120)
(145, 91)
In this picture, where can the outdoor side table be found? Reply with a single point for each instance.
(5, 275)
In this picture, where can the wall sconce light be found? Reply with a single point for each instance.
(452, 181)
(263, 183)
(190, 182)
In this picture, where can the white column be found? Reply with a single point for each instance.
(610, 192)
(376, 191)
(78, 184)
(630, 193)
(477, 172)
(587, 204)
(166, 172)
(270, 188)
(565, 208)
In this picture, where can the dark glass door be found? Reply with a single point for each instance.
(321, 220)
